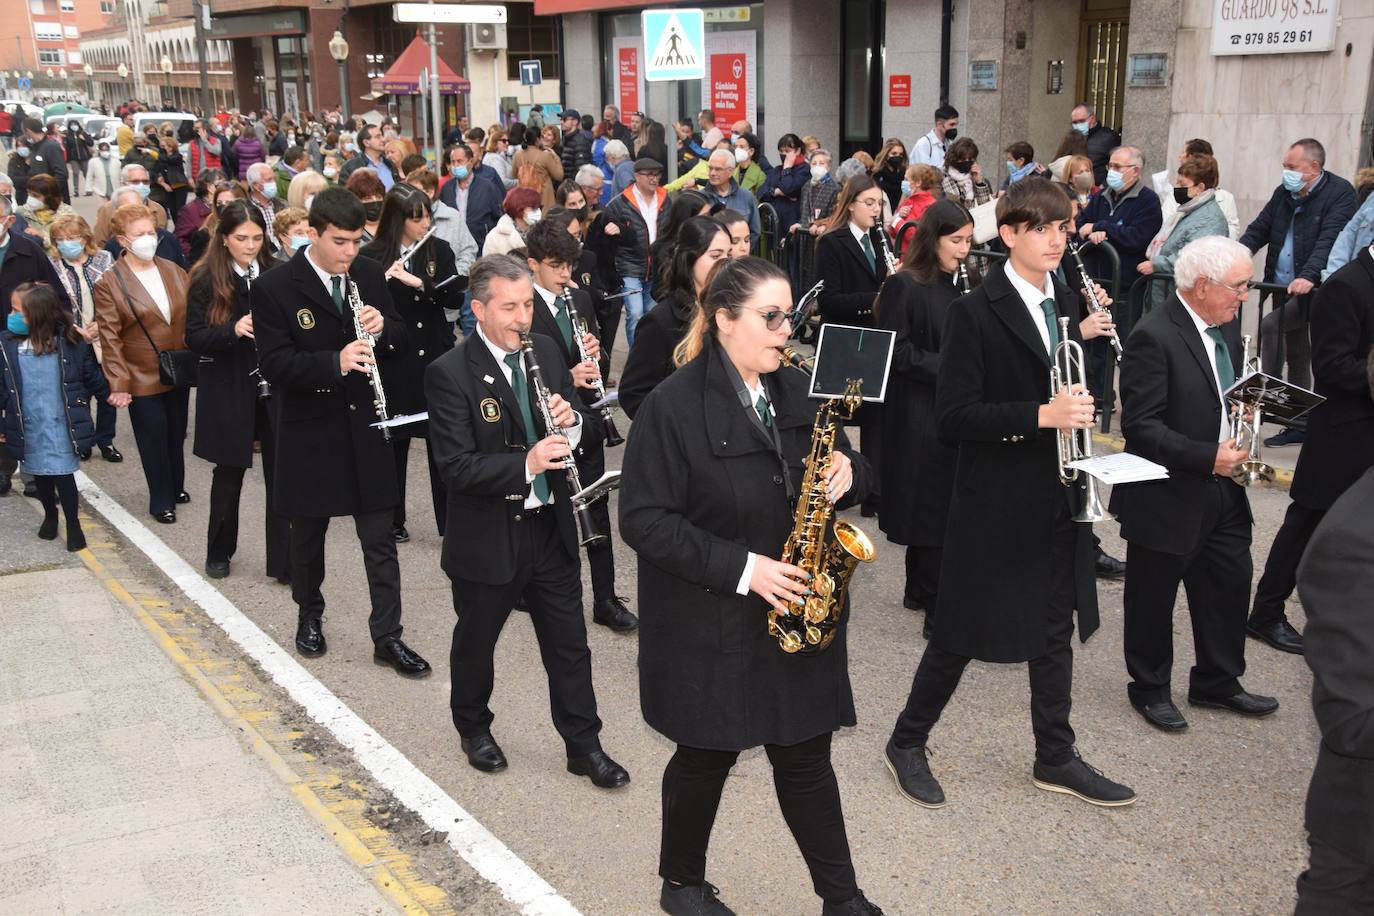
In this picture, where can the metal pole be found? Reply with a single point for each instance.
(343, 70)
(435, 106)
(201, 10)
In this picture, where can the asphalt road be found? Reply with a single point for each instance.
(1218, 827)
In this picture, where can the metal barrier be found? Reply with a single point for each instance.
(904, 235)
(767, 247)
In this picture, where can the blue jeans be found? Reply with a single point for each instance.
(466, 320)
(637, 302)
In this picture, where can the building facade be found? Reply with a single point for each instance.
(42, 38)
(128, 56)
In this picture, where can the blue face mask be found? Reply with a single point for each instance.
(144, 190)
(23, 151)
(71, 249)
(269, 190)
(17, 325)
(1114, 180)
(299, 241)
(460, 172)
(906, 189)
(1293, 181)
(1081, 127)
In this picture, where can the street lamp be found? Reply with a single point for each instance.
(90, 82)
(338, 49)
(166, 64)
(66, 83)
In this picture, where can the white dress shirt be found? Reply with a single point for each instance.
(930, 150)
(1209, 346)
(1032, 297)
(648, 208)
(327, 278)
(574, 432)
(756, 391)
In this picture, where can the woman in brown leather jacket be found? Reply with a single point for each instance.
(140, 306)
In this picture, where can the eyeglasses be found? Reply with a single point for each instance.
(1242, 290)
(773, 318)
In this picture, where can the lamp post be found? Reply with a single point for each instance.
(338, 49)
(66, 82)
(123, 71)
(166, 64)
(90, 83)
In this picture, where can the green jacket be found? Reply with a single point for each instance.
(1204, 221)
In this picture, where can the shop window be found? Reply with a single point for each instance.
(531, 37)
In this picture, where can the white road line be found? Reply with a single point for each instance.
(492, 859)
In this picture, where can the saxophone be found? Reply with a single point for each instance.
(829, 549)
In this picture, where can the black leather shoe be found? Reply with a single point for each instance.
(692, 900)
(1108, 566)
(858, 905)
(183, 498)
(85, 454)
(928, 628)
(1280, 635)
(310, 638)
(597, 766)
(484, 753)
(1163, 715)
(399, 534)
(217, 569)
(396, 654)
(913, 604)
(910, 768)
(166, 516)
(111, 454)
(1082, 781)
(1247, 704)
(612, 613)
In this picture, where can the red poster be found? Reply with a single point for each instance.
(899, 91)
(729, 87)
(628, 76)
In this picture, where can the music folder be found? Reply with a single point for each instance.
(598, 488)
(1281, 402)
(845, 352)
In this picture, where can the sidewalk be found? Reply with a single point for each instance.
(124, 789)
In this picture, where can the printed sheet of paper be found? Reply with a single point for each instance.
(1122, 467)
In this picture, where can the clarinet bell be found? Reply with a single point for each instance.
(610, 433)
(586, 530)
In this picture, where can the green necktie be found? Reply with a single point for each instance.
(766, 415)
(1051, 322)
(336, 287)
(522, 397)
(867, 245)
(564, 321)
(1226, 373)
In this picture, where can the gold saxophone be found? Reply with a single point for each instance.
(829, 549)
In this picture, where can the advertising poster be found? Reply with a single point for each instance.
(730, 88)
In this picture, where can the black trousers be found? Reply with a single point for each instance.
(600, 557)
(1280, 575)
(551, 582)
(1284, 339)
(159, 422)
(105, 418)
(438, 493)
(1051, 675)
(923, 575)
(608, 317)
(808, 794)
(1216, 578)
(1334, 883)
(226, 487)
(379, 562)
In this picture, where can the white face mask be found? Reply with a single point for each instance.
(818, 172)
(330, 171)
(741, 155)
(533, 216)
(144, 247)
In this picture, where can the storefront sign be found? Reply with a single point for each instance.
(629, 77)
(899, 91)
(286, 22)
(730, 87)
(1273, 26)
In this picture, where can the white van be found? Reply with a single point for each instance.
(32, 111)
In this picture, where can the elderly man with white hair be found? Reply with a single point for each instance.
(262, 193)
(134, 176)
(592, 182)
(619, 169)
(1195, 525)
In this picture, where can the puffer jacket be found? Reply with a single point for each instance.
(631, 245)
(82, 380)
(577, 152)
(249, 151)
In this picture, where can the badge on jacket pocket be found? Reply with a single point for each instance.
(306, 319)
(491, 410)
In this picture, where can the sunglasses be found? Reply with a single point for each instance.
(774, 318)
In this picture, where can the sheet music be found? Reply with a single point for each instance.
(1122, 467)
(401, 420)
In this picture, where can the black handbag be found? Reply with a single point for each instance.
(175, 368)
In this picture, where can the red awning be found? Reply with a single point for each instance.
(403, 77)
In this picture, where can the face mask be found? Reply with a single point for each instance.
(330, 171)
(460, 172)
(17, 325)
(951, 134)
(144, 247)
(818, 172)
(372, 210)
(1081, 127)
(1011, 166)
(1115, 179)
(299, 241)
(581, 213)
(533, 216)
(1292, 180)
(104, 154)
(1083, 181)
(269, 190)
(962, 166)
(23, 151)
(291, 138)
(1181, 196)
(144, 190)
(71, 249)
(741, 156)
(906, 189)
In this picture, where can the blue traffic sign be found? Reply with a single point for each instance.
(531, 73)
(674, 45)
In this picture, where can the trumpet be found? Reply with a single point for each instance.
(579, 327)
(1245, 431)
(1066, 371)
(1093, 302)
(355, 305)
(587, 533)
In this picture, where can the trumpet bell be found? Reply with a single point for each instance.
(1253, 472)
(1092, 509)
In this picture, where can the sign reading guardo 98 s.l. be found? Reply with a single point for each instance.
(1273, 26)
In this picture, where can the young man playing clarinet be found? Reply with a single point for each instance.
(1008, 502)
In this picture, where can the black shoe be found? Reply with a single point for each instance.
(310, 638)
(396, 654)
(1280, 635)
(910, 768)
(183, 498)
(692, 900)
(869, 510)
(612, 613)
(858, 905)
(85, 454)
(166, 516)
(111, 454)
(604, 772)
(484, 753)
(282, 578)
(76, 539)
(521, 605)
(1247, 704)
(31, 489)
(1082, 781)
(1289, 436)
(217, 569)
(928, 628)
(1163, 715)
(913, 604)
(1108, 566)
(6, 484)
(399, 534)
(48, 529)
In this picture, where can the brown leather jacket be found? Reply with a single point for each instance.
(130, 363)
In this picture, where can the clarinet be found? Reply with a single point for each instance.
(587, 533)
(608, 430)
(888, 257)
(1091, 291)
(355, 305)
(961, 278)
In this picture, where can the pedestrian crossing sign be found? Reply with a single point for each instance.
(674, 42)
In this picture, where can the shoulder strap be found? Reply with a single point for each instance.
(132, 310)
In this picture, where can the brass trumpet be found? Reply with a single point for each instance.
(1066, 371)
(1245, 431)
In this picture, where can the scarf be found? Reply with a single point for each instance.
(1022, 172)
(1157, 244)
(963, 180)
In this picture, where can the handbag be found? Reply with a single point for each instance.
(984, 222)
(175, 368)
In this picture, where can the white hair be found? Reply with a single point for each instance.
(262, 170)
(588, 174)
(615, 149)
(126, 189)
(6, 205)
(725, 157)
(6, 181)
(1208, 258)
(849, 169)
(128, 170)
(1133, 155)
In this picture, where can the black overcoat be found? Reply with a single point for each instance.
(851, 286)
(651, 358)
(330, 460)
(917, 468)
(702, 488)
(479, 445)
(994, 375)
(227, 392)
(1340, 432)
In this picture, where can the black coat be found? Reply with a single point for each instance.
(26, 262)
(1316, 222)
(851, 286)
(701, 490)
(544, 323)
(479, 445)
(1171, 414)
(484, 205)
(651, 358)
(330, 461)
(629, 251)
(429, 335)
(1101, 141)
(1340, 432)
(47, 158)
(994, 375)
(1335, 581)
(576, 152)
(917, 468)
(82, 383)
(227, 391)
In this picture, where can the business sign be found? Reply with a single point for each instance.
(1273, 26)
(730, 85)
(447, 13)
(629, 76)
(257, 25)
(674, 41)
(531, 72)
(899, 91)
